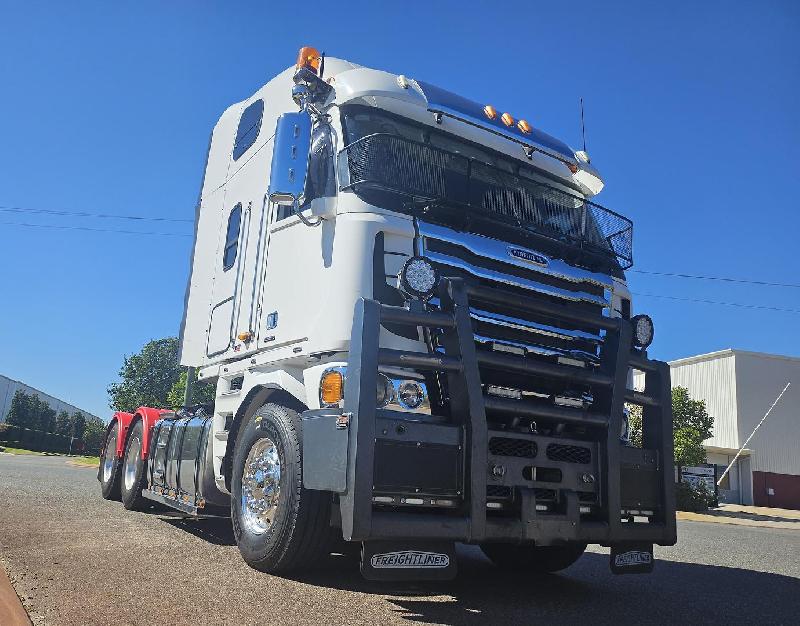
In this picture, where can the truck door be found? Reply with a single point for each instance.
(227, 278)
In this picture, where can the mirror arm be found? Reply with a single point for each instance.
(303, 218)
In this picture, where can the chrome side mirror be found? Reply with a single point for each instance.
(290, 157)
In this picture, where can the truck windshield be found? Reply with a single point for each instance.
(396, 163)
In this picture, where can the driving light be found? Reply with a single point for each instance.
(410, 394)
(385, 391)
(642, 330)
(418, 278)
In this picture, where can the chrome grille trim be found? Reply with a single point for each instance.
(540, 350)
(515, 281)
(528, 326)
(498, 251)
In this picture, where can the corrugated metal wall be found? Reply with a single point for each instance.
(8, 387)
(759, 380)
(713, 380)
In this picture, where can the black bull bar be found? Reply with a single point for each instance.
(623, 478)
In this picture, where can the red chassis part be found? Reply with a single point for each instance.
(147, 415)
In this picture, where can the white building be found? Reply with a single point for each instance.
(9, 386)
(738, 388)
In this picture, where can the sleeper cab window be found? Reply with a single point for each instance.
(232, 238)
(249, 125)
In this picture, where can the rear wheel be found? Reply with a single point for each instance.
(278, 525)
(530, 558)
(109, 466)
(133, 470)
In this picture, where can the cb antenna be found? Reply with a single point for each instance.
(583, 127)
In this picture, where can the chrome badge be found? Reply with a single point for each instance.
(528, 256)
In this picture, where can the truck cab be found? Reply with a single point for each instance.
(416, 318)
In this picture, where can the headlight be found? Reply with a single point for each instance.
(399, 394)
(418, 278)
(642, 330)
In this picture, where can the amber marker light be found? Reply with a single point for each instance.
(524, 127)
(507, 119)
(490, 111)
(308, 57)
(331, 387)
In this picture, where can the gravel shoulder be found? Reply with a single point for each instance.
(77, 559)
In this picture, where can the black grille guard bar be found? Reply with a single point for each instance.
(460, 363)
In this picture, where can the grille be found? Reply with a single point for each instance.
(506, 446)
(568, 454)
(498, 491)
(587, 496)
(422, 171)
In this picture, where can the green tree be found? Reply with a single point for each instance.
(20, 412)
(63, 424)
(202, 392)
(691, 426)
(93, 435)
(47, 418)
(78, 425)
(146, 378)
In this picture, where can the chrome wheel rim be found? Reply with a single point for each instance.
(132, 462)
(261, 486)
(109, 455)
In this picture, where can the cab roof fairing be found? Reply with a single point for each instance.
(369, 84)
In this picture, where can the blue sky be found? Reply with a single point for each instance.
(691, 114)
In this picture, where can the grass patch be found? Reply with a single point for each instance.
(21, 451)
(89, 461)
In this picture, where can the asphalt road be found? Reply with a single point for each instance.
(78, 559)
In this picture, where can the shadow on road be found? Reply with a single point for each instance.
(587, 592)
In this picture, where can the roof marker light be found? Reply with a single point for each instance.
(490, 111)
(508, 120)
(524, 127)
(309, 57)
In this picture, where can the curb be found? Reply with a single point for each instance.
(12, 613)
(736, 521)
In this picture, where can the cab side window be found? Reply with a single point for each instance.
(232, 238)
(249, 126)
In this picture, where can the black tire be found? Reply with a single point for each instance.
(132, 474)
(108, 472)
(534, 559)
(298, 533)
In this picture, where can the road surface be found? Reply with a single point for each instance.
(68, 551)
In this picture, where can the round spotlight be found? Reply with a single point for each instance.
(384, 392)
(642, 330)
(410, 394)
(418, 278)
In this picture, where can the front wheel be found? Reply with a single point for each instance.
(109, 466)
(278, 525)
(133, 475)
(530, 558)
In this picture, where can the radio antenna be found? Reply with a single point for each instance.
(583, 127)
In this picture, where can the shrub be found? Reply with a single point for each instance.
(694, 497)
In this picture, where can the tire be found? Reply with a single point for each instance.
(535, 559)
(132, 474)
(279, 526)
(109, 470)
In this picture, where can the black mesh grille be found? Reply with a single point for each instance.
(498, 491)
(587, 496)
(396, 164)
(568, 454)
(505, 446)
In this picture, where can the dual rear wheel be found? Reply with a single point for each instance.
(123, 479)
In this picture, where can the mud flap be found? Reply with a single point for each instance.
(632, 558)
(408, 560)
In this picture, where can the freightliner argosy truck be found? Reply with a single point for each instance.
(418, 327)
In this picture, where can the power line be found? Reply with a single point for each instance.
(19, 209)
(721, 278)
(96, 230)
(736, 304)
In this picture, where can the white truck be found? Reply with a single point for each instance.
(419, 330)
